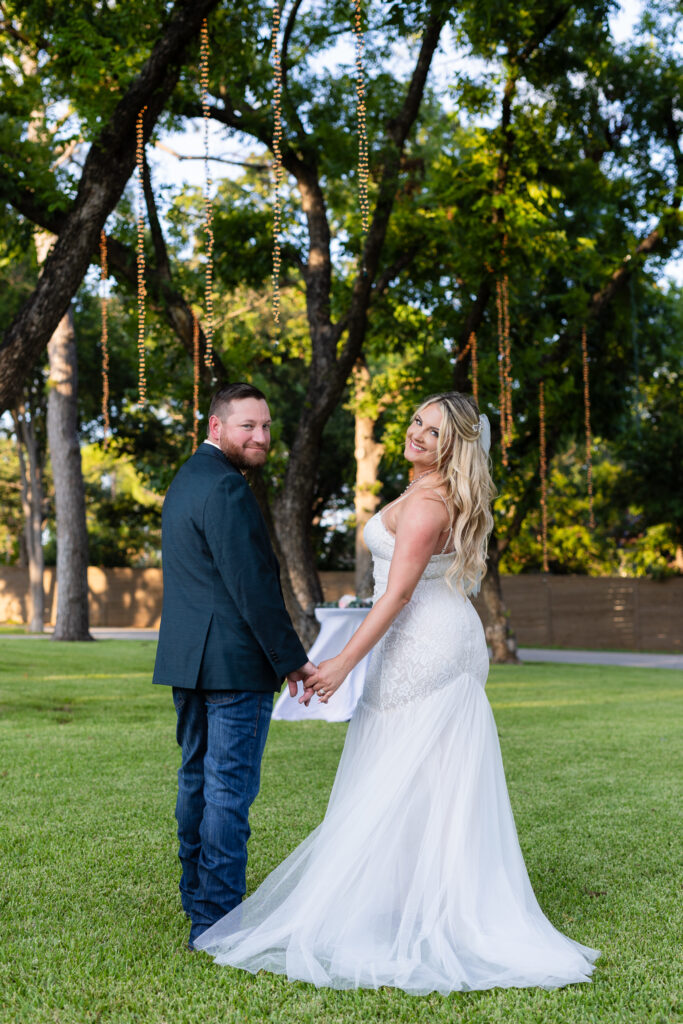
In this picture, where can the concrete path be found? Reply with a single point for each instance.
(624, 659)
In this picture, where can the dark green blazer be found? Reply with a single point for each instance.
(224, 625)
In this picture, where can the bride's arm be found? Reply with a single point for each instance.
(418, 531)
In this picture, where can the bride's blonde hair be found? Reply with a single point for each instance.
(463, 465)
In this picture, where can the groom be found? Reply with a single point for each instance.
(225, 644)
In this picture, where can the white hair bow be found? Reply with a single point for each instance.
(485, 433)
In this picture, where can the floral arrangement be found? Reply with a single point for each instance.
(348, 601)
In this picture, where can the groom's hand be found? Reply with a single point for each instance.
(304, 673)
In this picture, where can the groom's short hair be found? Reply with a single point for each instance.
(228, 393)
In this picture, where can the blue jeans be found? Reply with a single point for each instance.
(222, 734)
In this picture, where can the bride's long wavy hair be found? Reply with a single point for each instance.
(464, 467)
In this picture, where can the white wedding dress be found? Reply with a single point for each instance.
(415, 878)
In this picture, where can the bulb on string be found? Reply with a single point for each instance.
(504, 365)
(587, 418)
(142, 290)
(195, 385)
(361, 116)
(208, 202)
(277, 154)
(104, 341)
(471, 346)
(544, 474)
(475, 367)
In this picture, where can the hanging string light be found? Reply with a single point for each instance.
(142, 290)
(501, 372)
(508, 360)
(277, 154)
(361, 116)
(208, 186)
(544, 474)
(504, 365)
(589, 437)
(475, 367)
(195, 386)
(471, 346)
(104, 342)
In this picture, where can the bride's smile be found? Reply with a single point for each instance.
(422, 437)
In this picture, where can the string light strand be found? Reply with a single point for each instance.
(461, 355)
(142, 290)
(208, 186)
(587, 417)
(195, 386)
(544, 474)
(475, 367)
(471, 346)
(361, 117)
(507, 360)
(277, 154)
(104, 274)
(502, 403)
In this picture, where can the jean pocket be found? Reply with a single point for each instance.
(179, 697)
(219, 698)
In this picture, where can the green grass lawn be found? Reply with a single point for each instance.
(92, 929)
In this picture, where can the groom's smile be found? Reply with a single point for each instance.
(244, 434)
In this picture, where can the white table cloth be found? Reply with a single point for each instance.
(337, 625)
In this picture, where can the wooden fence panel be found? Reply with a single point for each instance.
(595, 613)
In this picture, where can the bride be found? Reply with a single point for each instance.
(414, 878)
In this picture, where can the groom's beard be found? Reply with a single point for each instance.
(244, 458)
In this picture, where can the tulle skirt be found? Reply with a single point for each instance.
(415, 878)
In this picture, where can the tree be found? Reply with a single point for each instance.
(560, 148)
(65, 454)
(31, 455)
(108, 166)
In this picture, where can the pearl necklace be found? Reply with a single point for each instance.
(416, 481)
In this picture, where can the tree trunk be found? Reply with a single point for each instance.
(65, 453)
(368, 457)
(32, 505)
(306, 630)
(292, 525)
(499, 633)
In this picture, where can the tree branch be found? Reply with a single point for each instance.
(536, 41)
(15, 33)
(108, 166)
(214, 159)
(158, 240)
(392, 271)
(167, 301)
(477, 311)
(397, 132)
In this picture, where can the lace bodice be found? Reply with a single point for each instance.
(381, 544)
(434, 640)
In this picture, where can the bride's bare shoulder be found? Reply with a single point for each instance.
(427, 500)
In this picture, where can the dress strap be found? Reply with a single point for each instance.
(450, 532)
(400, 498)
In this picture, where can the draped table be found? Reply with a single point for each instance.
(337, 625)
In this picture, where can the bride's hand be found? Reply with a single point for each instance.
(329, 677)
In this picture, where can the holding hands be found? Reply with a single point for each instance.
(319, 682)
(327, 679)
(303, 674)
